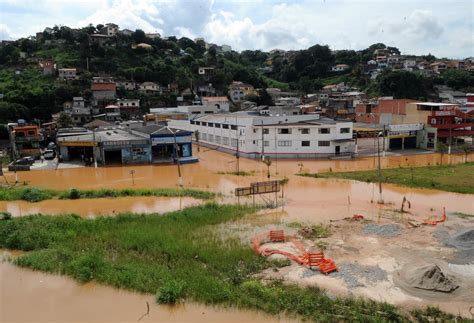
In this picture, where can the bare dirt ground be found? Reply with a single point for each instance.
(384, 260)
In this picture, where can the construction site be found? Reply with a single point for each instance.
(408, 247)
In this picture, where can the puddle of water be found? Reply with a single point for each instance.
(29, 296)
(99, 207)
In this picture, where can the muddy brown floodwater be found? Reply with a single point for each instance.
(100, 207)
(28, 296)
(32, 296)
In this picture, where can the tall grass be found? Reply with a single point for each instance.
(453, 178)
(33, 194)
(178, 255)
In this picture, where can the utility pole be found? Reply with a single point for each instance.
(263, 144)
(180, 180)
(379, 171)
(450, 140)
(95, 145)
(237, 154)
(276, 154)
(87, 63)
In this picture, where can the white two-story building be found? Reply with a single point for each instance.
(254, 136)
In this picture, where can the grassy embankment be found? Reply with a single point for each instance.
(180, 255)
(451, 178)
(34, 194)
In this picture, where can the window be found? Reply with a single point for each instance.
(218, 140)
(225, 126)
(31, 132)
(345, 130)
(266, 143)
(192, 122)
(305, 143)
(324, 143)
(204, 124)
(210, 124)
(204, 136)
(198, 123)
(210, 138)
(254, 130)
(284, 143)
(225, 141)
(233, 142)
(284, 131)
(304, 131)
(233, 127)
(208, 112)
(266, 131)
(324, 130)
(217, 125)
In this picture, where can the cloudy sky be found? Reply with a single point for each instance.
(440, 27)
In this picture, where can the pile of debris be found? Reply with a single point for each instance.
(431, 277)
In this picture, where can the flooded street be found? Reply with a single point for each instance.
(28, 296)
(54, 298)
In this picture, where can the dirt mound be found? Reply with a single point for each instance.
(431, 277)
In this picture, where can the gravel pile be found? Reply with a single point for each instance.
(431, 277)
(385, 230)
(462, 241)
(355, 275)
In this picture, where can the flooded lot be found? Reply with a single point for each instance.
(306, 199)
(99, 207)
(28, 296)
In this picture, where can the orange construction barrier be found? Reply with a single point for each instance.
(310, 259)
(435, 222)
(277, 236)
(326, 266)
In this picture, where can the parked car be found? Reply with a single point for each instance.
(49, 154)
(51, 145)
(28, 160)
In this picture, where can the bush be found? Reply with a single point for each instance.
(171, 291)
(34, 195)
(5, 215)
(74, 194)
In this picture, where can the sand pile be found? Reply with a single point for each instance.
(431, 277)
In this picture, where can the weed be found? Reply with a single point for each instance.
(170, 292)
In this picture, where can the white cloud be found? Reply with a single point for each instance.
(416, 26)
(5, 32)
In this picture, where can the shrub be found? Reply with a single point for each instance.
(74, 194)
(34, 195)
(171, 291)
(5, 215)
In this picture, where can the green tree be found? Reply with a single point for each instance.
(457, 79)
(441, 148)
(64, 120)
(401, 85)
(466, 148)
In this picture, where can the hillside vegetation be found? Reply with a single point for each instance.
(30, 95)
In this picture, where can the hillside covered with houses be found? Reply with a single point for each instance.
(75, 76)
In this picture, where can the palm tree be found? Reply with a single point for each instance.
(268, 162)
(441, 148)
(466, 149)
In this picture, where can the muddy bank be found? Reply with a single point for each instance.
(28, 296)
(100, 207)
